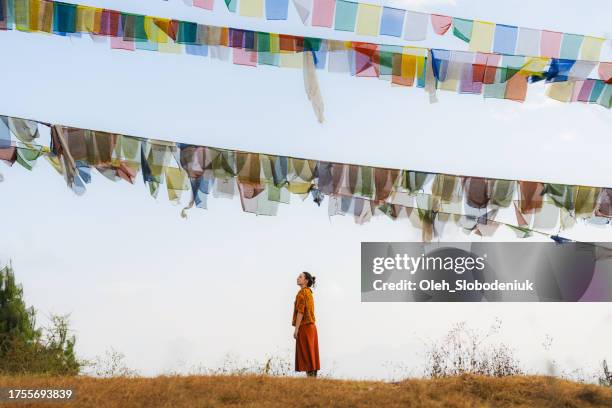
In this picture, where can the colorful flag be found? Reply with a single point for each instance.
(346, 13)
(231, 5)
(392, 21)
(415, 28)
(368, 19)
(251, 8)
(204, 4)
(591, 48)
(505, 39)
(462, 29)
(482, 36)
(441, 24)
(303, 8)
(277, 9)
(323, 13)
(529, 42)
(551, 44)
(570, 46)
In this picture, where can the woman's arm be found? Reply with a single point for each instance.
(298, 320)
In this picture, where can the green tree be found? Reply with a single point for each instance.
(25, 348)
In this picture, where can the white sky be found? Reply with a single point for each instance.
(173, 293)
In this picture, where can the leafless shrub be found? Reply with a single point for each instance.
(466, 351)
(605, 378)
(111, 364)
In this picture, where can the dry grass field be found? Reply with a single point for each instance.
(265, 391)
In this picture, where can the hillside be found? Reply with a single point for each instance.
(258, 391)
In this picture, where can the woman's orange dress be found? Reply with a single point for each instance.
(307, 343)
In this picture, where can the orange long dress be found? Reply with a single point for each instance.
(307, 342)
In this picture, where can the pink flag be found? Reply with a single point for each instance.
(205, 4)
(441, 24)
(585, 91)
(323, 13)
(119, 43)
(605, 72)
(551, 44)
(245, 57)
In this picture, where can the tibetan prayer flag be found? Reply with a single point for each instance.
(585, 91)
(591, 48)
(187, 33)
(45, 23)
(205, 4)
(33, 20)
(529, 42)
(505, 39)
(303, 8)
(516, 88)
(392, 21)
(323, 13)
(598, 88)
(121, 44)
(482, 36)
(277, 9)
(86, 19)
(21, 14)
(251, 8)
(462, 29)
(368, 19)
(346, 13)
(154, 34)
(441, 24)
(196, 49)
(561, 91)
(550, 44)
(582, 69)
(64, 17)
(407, 70)
(134, 27)
(570, 46)
(415, 28)
(231, 5)
(605, 72)
(605, 99)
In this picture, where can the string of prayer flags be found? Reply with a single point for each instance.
(458, 71)
(263, 181)
(373, 20)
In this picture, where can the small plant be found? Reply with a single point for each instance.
(111, 364)
(465, 351)
(605, 379)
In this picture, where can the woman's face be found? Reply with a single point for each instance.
(301, 280)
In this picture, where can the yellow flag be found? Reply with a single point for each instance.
(368, 19)
(482, 36)
(561, 91)
(251, 8)
(591, 48)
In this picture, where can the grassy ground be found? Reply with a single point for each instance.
(261, 391)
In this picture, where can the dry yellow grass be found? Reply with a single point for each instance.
(261, 391)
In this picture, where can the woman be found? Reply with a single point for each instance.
(305, 334)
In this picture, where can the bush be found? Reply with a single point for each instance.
(605, 379)
(464, 351)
